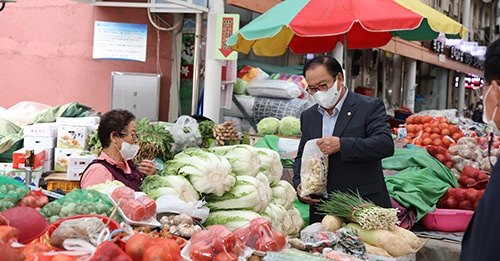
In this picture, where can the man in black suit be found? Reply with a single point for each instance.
(352, 129)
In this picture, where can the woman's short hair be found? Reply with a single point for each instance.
(113, 121)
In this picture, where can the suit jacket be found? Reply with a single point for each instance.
(365, 139)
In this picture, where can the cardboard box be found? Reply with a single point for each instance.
(78, 121)
(41, 130)
(77, 162)
(39, 142)
(6, 169)
(72, 137)
(410, 257)
(61, 158)
(18, 158)
(49, 154)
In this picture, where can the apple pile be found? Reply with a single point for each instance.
(424, 130)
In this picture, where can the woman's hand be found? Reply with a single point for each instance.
(306, 199)
(147, 167)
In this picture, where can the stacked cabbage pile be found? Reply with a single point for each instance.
(239, 183)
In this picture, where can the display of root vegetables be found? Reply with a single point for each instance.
(473, 152)
(225, 132)
(424, 130)
(135, 209)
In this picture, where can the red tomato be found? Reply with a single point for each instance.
(245, 236)
(226, 256)
(266, 244)
(260, 227)
(201, 251)
(202, 235)
(222, 238)
(280, 239)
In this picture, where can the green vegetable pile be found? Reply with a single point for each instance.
(287, 126)
(205, 128)
(78, 202)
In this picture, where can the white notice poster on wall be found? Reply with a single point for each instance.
(120, 41)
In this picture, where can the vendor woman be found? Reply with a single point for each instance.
(117, 133)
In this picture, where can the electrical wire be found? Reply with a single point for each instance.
(162, 28)
(2, 7)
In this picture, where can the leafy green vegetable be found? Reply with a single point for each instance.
(268, 126)
(247, 193)
(232, 219)
(155, 186)
(283, 194)
(207, 172)
(154, 141)
(270, 164)
(244, 159)
(205, 128)
(289, 126)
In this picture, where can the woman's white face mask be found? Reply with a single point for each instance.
(491, 121)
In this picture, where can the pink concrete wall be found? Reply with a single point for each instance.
(46, 54)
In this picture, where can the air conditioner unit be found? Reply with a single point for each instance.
(176, 6)
(8, 1)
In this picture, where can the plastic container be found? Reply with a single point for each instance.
(29, 222)
(66, 186)
(447, 220)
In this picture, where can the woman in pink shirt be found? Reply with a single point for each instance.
(117, 133)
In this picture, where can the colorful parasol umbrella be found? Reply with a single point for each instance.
(316, 26)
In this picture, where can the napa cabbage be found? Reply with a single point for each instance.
(207, 172)
(244, 159)
(174, 185)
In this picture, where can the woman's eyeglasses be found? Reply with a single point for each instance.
(134, 135)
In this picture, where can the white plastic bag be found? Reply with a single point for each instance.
(185, 133)
(313, 170)
(168, 203)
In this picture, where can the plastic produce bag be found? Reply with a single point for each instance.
(88, 229)
(314, 170)
(11, 191)
(167, 203)
(185, 133)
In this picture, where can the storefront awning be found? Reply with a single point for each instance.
(156, 6)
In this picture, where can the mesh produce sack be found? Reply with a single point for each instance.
(11, 191)
(277, 108)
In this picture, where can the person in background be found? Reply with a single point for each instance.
(480, 239)
(477, 115)
(352, 129)
(117, 133)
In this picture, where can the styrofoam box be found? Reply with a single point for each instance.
(286, 145)
(48, 165)
(41, 130)
(39, 142)
(80, 159)
(74, 174)
(73, 137)
(410, 257)
(78, 121)
(18, 158)
(6, 169)
(61, 158)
